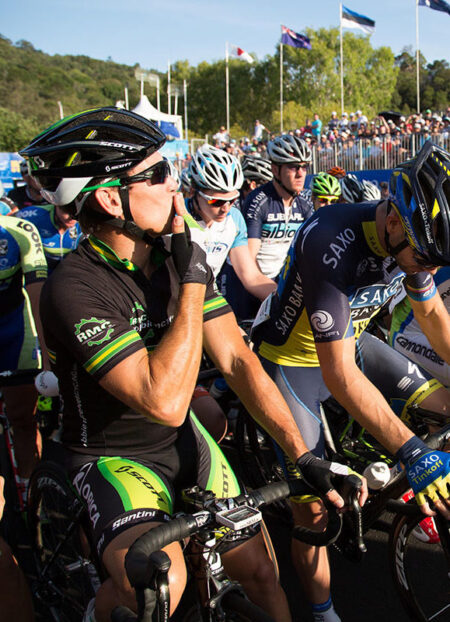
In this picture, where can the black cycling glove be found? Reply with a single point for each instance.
(317, 473)
(189, 259)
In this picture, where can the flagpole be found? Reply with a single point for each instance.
(158, 103)
(227, 88)
(169, 106)
(281, 88)
(417, 57)
(342, 59)
(185, 109)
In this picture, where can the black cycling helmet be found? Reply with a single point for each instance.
(352, 189)
(256, 169)
(420, 192)
(103, 142)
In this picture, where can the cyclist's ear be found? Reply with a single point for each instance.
(108, 200)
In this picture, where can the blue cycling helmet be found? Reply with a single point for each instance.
(420, 192)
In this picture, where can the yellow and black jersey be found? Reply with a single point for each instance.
(336, 277)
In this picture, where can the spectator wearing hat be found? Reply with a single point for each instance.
(221, 138)
(353, 124)
(343, 123)
(333, 123)
(360, 118)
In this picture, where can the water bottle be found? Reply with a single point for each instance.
(218, 388)
(378, 474)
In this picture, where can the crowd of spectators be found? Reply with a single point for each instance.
(352, 140)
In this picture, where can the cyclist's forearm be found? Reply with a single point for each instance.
(434, 320)
(160, 384)
(174, 364)
(260, 287)
(367, 405)
(261, 397)
(246, 376)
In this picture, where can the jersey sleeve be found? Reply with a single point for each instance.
(241, 229)
(253, 214)
(92, 327)
(33, 262)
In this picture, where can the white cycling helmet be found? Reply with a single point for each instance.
(215, 169)
(285, 149)
(352, 189)
(371, 192)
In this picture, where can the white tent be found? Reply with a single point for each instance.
(145, 109)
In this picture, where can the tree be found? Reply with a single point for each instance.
(15, 130)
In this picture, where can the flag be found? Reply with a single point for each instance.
(240, 53)
(350, 19)
(289, 37)
(437, 5)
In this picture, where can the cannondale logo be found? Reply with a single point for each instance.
(322, 321)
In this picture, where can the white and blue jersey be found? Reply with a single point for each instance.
(270, 221)
(56, 245)
(218, 238)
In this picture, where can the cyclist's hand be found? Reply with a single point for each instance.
(318, 475)
(47, 384)
(188, 257)
(429, 476)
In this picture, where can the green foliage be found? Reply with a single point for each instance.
(434, 80)
(15, 130)
(32, 83)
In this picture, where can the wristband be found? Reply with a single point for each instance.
(411, 450)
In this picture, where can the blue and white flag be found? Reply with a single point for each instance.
(350, 19)
(437, 5)
(296, 40)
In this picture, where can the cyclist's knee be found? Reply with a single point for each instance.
(251, 564)
(438, 401)
(119, 591)
(313, 515)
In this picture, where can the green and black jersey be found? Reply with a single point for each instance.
(97, 310)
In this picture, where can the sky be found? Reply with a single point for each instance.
(155, 32)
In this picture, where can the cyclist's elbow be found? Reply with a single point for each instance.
(167, 413)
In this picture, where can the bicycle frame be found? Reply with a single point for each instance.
(11, 457)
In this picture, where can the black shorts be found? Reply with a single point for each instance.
(122, 491)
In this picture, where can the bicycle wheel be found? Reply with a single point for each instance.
(66, 576)
(421, 571)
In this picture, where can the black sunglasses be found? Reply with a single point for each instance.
(156, 174)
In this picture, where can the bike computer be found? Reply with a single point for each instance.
(239, 518)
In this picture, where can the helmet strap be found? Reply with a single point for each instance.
(292, 193)
(128, 224)
(394, 250)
